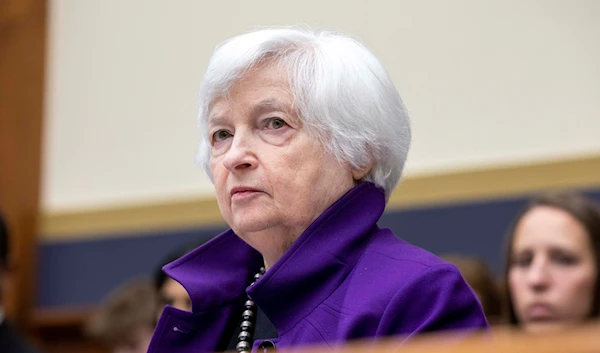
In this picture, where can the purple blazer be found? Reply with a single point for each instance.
(343, 279)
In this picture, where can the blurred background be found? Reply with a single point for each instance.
(98, 180)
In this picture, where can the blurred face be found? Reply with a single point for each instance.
(173, 293)
(272, 179)
(137, 343)
(552, 275)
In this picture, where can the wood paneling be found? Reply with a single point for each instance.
(580, 340)
(63, 330)
(424, 190)
(22, 58)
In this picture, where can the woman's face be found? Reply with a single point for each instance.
(269, 174)
(173, 294)
(552, 273)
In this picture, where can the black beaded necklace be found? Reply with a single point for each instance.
(246, 338)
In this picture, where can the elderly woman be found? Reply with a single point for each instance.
(304, 138)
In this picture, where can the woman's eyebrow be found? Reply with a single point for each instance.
(267, 105)
(215, 120)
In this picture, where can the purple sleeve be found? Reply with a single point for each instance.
(437, 300)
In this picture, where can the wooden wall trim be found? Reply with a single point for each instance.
(464, 186)
(498, 182)
(22, 61)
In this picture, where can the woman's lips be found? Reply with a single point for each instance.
(539, 312)
(243, 192)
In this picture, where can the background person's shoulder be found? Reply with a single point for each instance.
(13, 342)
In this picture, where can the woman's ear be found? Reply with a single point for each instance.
(359, 173)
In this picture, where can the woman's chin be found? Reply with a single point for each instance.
(251, 226)
(543, 327)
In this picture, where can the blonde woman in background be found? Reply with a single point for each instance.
(483, 282)
(125, 321)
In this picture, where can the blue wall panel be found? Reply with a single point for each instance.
(83, 272)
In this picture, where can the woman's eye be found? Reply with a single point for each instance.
(564, 259)
(221, 135)
(521, 261)
(276, 123)
(165, 300)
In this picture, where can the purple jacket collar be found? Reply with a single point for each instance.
(217, 273)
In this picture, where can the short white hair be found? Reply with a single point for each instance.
(343, 95)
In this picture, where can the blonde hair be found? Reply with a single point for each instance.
(130, 306)
(479, 277)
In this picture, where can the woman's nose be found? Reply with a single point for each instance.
(538, 276)
(240, 155)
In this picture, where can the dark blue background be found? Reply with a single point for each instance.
(83, 272)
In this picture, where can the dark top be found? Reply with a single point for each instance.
(344, 278)
(12, 342)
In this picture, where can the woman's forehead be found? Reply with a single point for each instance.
(548, 226)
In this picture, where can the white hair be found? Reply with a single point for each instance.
(343, 95)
